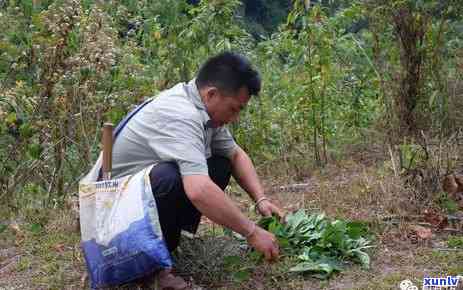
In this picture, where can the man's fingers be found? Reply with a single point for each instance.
(272, 252)
(264, 210)
(274, 249)
(268, 255)
(278, 211)
(277, 248)
(275, 252)
(272, 208)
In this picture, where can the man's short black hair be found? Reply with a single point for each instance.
(229, 72)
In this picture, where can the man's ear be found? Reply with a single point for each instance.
(210, 93)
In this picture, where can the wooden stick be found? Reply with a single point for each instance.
(107, 150)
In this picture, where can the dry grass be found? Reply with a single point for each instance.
(48, 257)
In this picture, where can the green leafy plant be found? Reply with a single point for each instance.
(447, 203)
(234, 264)
(321, 246)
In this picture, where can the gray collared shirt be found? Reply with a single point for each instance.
(173, 127)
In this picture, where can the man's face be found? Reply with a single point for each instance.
(225, 108)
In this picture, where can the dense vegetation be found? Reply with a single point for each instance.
(320, 246)
(336, 75)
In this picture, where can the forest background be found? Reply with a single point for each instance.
(377, 83)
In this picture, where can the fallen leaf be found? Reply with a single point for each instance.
(59, 248)
(435, 218)
(16, 229)
(422, 232)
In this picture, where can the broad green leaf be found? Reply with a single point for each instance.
(363, 258)
(283, 242)
(275, 227)
(313, 267)
(242, 275)
(355, 229)
(35, 228)
(305, 267)
(294, 220)
(265, 222)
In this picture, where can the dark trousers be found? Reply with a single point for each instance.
(176, 212)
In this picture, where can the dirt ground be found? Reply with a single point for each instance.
(41, 250)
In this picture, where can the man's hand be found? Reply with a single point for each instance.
(267, 208)
(264, 242)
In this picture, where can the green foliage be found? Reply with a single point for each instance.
(2, 228)
(73, 65)
(320, 244)
(234, 265)
(318, 90)
(455, 242)
(263, 17)
(330, 75)
(447, 203)
(413, 70)
(411, 156)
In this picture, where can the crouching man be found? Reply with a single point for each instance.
(183, 132)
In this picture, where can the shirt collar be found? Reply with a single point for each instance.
(193, 93)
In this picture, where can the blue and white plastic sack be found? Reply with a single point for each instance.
(121, 233)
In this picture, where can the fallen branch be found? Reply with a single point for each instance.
(448, 249)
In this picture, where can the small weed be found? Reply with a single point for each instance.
(447, 204)
(455, 270)
(455, 242)
(36, 228)
(234, 264)
(2, 228)
(392, 279)
(242, 275)
(24, 263)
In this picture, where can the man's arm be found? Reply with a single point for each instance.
(245, 174)
(211, 201)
